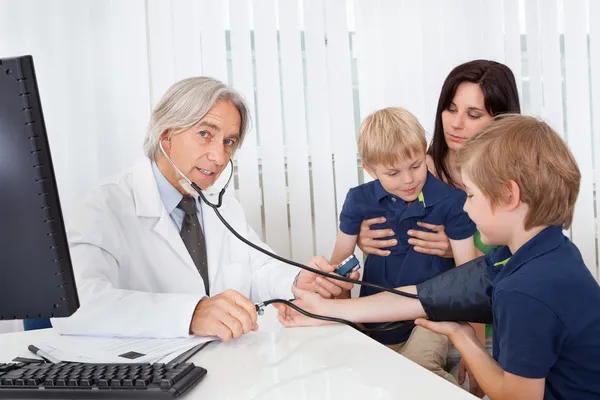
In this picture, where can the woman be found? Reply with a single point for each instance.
(472, 94)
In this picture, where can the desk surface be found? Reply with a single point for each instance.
(331, 362)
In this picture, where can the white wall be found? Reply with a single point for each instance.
(309, 69)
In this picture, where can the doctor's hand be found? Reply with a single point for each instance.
(328, 288)
(307, 301)
(227, 315)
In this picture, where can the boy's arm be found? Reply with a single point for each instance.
(495, 382)
(381, 307)
(464, 250)
(344, 247)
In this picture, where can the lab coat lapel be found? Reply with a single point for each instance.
(167, 229)
(149, 204)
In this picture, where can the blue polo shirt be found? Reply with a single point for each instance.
(438, 204)
(546, 307)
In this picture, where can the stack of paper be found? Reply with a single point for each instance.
(89, 349)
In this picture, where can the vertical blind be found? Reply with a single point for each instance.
(310, 70)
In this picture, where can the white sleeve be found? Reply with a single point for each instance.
(105, 309)
(270, 278)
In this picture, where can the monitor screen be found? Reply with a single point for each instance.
(36, 276)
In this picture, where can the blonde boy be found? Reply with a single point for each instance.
(393, 148)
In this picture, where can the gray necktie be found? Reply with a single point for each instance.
(191, 233)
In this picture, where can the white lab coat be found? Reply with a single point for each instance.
(134, 274)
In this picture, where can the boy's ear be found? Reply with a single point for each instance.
(513, 195)
(369, 170)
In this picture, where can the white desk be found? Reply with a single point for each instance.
(332, 362)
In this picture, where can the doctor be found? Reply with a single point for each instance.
(147, 256)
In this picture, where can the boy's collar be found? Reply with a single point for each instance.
(435, 190)
(432, 193)
(380, 192)
(542, 243)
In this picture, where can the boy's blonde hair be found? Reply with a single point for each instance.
(529, 152)
(389, 135)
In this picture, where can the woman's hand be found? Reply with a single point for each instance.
(435, 243)
(369, 241)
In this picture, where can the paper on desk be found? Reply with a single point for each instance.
(91, 349)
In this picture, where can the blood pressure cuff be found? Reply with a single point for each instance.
(460, 294)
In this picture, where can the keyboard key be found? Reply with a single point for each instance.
(60, 382)
(103, 382)
(86, 383)
(166, 383)
(142, 383)
(128, 383)
(32, 382)
(115, 382)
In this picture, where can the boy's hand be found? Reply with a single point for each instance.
(450, 329)
(308, 301)
(474, 387)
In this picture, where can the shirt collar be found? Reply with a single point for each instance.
(168, 194)
(433, 191)
(380, 192)
(542, 243)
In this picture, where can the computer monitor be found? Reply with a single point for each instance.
(36, 276)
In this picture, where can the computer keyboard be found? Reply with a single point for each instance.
(97, 381)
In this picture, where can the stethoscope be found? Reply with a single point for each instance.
(260, 306)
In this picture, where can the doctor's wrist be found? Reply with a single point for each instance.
(197, 310)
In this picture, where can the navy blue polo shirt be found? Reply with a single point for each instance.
(438, 204)
(546, 307)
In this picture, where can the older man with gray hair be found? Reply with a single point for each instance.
(150, 260)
